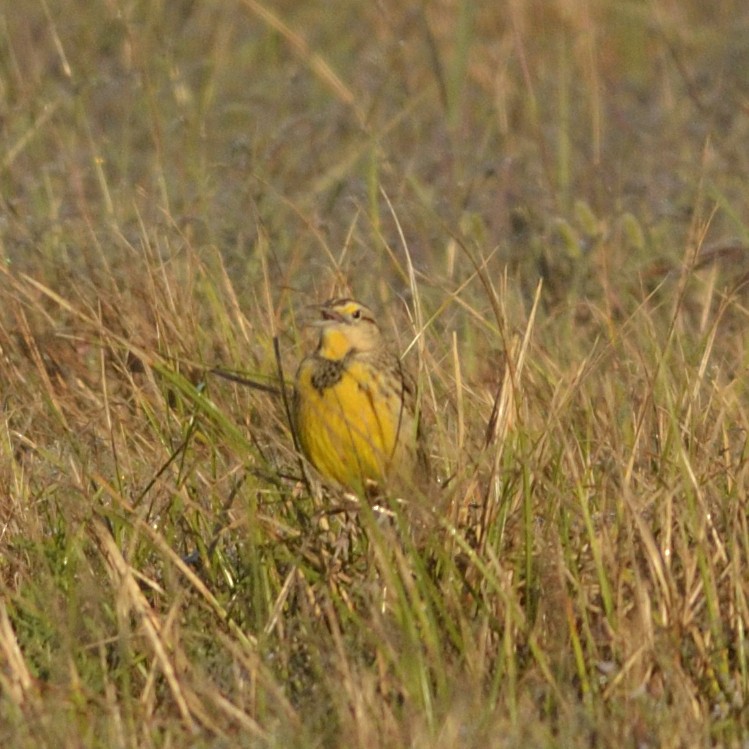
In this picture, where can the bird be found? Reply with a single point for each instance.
(354, 404)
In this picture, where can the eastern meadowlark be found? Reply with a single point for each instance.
(354, 403)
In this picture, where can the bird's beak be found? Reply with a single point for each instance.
(330, 315)
(327, 315)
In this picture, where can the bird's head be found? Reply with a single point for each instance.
(346, 326)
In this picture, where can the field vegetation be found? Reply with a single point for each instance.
(548, 205)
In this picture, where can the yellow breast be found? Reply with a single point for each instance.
(350, 428)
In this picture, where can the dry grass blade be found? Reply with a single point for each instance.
(16, 680)
(132, 598)
(504, 410)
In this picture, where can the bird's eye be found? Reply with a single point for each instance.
(356, 314)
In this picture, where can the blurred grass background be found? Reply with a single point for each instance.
(178, 180)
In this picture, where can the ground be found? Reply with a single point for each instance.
(546, 204)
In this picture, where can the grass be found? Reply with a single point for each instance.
(546, 202)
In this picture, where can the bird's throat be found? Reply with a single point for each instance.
(334, 344)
